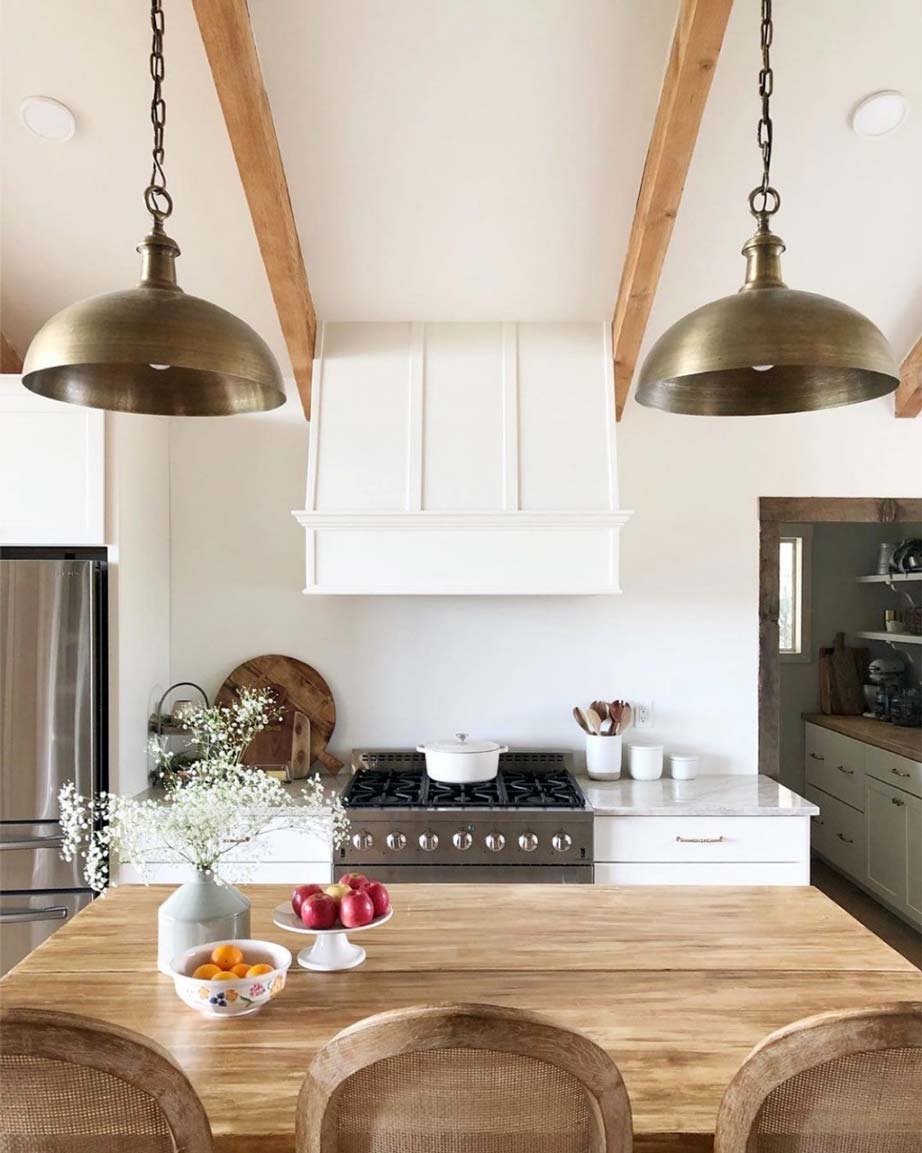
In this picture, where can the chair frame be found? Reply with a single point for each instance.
(462, 1026)
(803, 1045)
(119, 1052)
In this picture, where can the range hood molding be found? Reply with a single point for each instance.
(440, 461)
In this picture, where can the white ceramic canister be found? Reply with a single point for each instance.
(683, 766)
(645, 762)
(603, 757)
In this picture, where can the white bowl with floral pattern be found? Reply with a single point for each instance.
(231, 998)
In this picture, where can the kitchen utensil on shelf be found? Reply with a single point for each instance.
(603, 756)
(595, 721)
(600, 707)
(462, 761)
(683, 766)
(298, 689)
(332, 949)
(645, 762)
(580, 717)
(232, 998)
(884, 556)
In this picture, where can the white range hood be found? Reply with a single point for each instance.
(462, 459)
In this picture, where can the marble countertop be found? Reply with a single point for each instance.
(715, 796)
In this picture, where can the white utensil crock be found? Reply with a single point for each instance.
(462, 762)
(645, 762)
(603, 757)
(683, 767)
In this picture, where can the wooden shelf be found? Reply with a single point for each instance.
(893, 638)
(892, 579)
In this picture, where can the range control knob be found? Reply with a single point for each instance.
(428, 841)
(396, 841)
(495, 842)
(560, 842)
(528, 842)
(362, 840)
(462, 840)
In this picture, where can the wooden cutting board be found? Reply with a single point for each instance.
(843, 671)
(300, 692)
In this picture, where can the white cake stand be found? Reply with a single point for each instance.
(332, 949)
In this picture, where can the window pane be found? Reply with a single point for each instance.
(789, 598)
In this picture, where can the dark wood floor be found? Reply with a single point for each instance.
(865, 909)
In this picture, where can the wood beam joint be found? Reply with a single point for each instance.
(908, 397)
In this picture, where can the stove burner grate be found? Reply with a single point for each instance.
(412, 788)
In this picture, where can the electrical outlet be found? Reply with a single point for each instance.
(643, 714)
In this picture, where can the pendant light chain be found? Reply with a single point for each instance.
(765, 201)
(158, 201)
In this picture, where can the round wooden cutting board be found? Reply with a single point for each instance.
(298, 689)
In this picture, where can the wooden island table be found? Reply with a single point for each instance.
(677, 984)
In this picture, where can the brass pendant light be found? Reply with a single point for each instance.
(153, 349)
(769, 348)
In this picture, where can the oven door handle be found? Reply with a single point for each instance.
(33, 843)
(15, 916)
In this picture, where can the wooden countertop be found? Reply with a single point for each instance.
(676, 983)
(892, 738)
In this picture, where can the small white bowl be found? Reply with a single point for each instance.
(239, 996)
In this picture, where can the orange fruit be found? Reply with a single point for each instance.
(225, 975)
(226, 956)
(206, 972)
(240, 970)
(258, 970)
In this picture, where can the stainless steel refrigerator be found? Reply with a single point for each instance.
(53, 729)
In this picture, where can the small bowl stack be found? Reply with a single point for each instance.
(231, 997)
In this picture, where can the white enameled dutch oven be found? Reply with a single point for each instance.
(461, 761)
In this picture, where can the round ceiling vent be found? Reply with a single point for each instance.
(47, 119)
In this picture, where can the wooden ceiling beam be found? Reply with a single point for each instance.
(693, 57)
(908, 397)
(10, 360)
(231, 48)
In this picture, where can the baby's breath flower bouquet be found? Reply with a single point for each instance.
(216, 817)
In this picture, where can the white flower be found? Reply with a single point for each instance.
(217, 817)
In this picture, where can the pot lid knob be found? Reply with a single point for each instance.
(461, 736)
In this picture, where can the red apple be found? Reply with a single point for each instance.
(319, 911)
(380, 898)
(300, 895)
(354, 880)
(356, 909)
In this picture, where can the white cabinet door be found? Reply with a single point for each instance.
(835, 764)
(914, 857)
(898, 771)
(51, 469)
(886, 851)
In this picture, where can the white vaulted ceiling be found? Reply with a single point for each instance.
(460, 159)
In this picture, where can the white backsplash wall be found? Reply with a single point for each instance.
(683, 634)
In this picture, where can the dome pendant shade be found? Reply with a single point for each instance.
(153, 349)
(767, 349)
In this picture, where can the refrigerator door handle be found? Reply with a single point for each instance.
(33, 843)
(51, 913)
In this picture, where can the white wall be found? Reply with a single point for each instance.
(138, 529)
(684, 633)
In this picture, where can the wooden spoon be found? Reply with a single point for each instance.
(601, 708)
(595, 722)
(580, 718)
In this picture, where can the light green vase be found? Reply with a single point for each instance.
(197, 912)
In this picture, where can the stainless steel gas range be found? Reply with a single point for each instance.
(531, 823)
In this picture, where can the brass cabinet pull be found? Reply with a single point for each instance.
(699, 840)
(897, 802)
(817, 757)
(899, 774)
(847, 840)
(843, 769)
